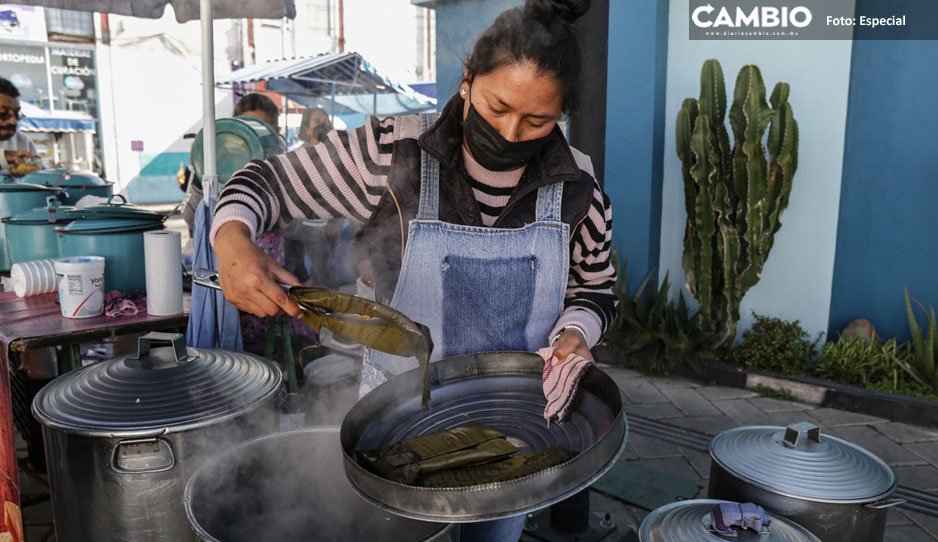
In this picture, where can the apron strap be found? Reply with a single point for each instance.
(549, 200)
(429, 206)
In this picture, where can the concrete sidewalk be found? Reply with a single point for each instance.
(671, 421)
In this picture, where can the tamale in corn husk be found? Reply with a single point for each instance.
(499, 471)
(484, 452)
(423, 447)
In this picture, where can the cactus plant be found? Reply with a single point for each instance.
(734, 196)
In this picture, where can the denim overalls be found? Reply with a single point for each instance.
(478, 289)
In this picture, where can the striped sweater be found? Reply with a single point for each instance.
(346, 175)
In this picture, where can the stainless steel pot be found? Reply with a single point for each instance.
(835, 489)
(687, 521)
(501, 390)
(123, 436)
(290, 488)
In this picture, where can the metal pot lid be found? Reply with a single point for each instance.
(86, 226)
(65, 178)
(158, 390)
(23, 187)
(799, 462)
(122, 209)
(690, 520)
(43, 215)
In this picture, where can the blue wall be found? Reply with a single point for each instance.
(796, 280)
(635, 92)
(888, 229)
(459, 23)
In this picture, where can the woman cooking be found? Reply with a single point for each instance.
(482, 224)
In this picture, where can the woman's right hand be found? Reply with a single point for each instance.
(248, 277)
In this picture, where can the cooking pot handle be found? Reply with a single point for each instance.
(176, 340)
(121, 196)
(885, 504)
(793, 433)
(143, 455)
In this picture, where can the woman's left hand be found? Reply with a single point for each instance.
(571, 342)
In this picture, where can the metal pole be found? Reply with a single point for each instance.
(374, 103)
(210, 170)
(332, 111)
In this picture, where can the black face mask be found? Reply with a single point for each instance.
(491, 150)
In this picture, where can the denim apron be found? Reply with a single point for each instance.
(478, 289)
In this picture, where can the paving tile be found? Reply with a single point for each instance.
(651, 448)
(665, 382)
(638, 513)
(620, 372)
(690, 402)
(653, 411)
(868, 438)
(699, 461)
(719, 393)
(903, 433)
(621, 515)
(743, 412)
(708, 425)
(833, 417)
(639, 390)
(926, 450)
(795, 416)
(895, 517)
(768, 404)
(906, 533)
(928, 523)
(674, 466)
(924, 478)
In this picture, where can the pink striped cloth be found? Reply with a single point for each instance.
(561, 383)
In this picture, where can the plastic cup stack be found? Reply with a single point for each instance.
(33, 278)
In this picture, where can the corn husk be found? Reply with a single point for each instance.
(499, 471)
(428, 446)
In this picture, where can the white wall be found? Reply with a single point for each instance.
(151, 87)
(796, 280)
(385, 33)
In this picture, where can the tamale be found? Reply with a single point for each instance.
(484, 452)
(368, 323)
(500, 471)
(430, 445)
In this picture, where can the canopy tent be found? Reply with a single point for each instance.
(338, 82)
(41, 120)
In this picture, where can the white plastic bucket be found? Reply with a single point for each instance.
(33, 277)
(81, 285)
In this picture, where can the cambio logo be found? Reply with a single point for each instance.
(758, 17)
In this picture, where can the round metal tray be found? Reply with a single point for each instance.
(501, 390)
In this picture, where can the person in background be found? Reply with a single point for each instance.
(482, 222)
(17, 148)
(314, 125)
(250, 105)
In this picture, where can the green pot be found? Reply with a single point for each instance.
(31, 235)
(119, 241)
(15, 198)
(77, 184)
(237, 141)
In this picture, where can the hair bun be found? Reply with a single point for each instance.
(566, 10)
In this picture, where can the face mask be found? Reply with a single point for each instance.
(491, 150)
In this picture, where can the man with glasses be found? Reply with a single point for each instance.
(17, 147)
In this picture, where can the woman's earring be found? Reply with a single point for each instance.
(463, 92)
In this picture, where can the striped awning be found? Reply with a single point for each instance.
(42, 120)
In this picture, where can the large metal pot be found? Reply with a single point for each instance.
(123, 436)
(115, 232)
(290, 488)
(835, 489)
(14, 199)
(77, 184)
(31, 234)
(689, 521)
(503, 391)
